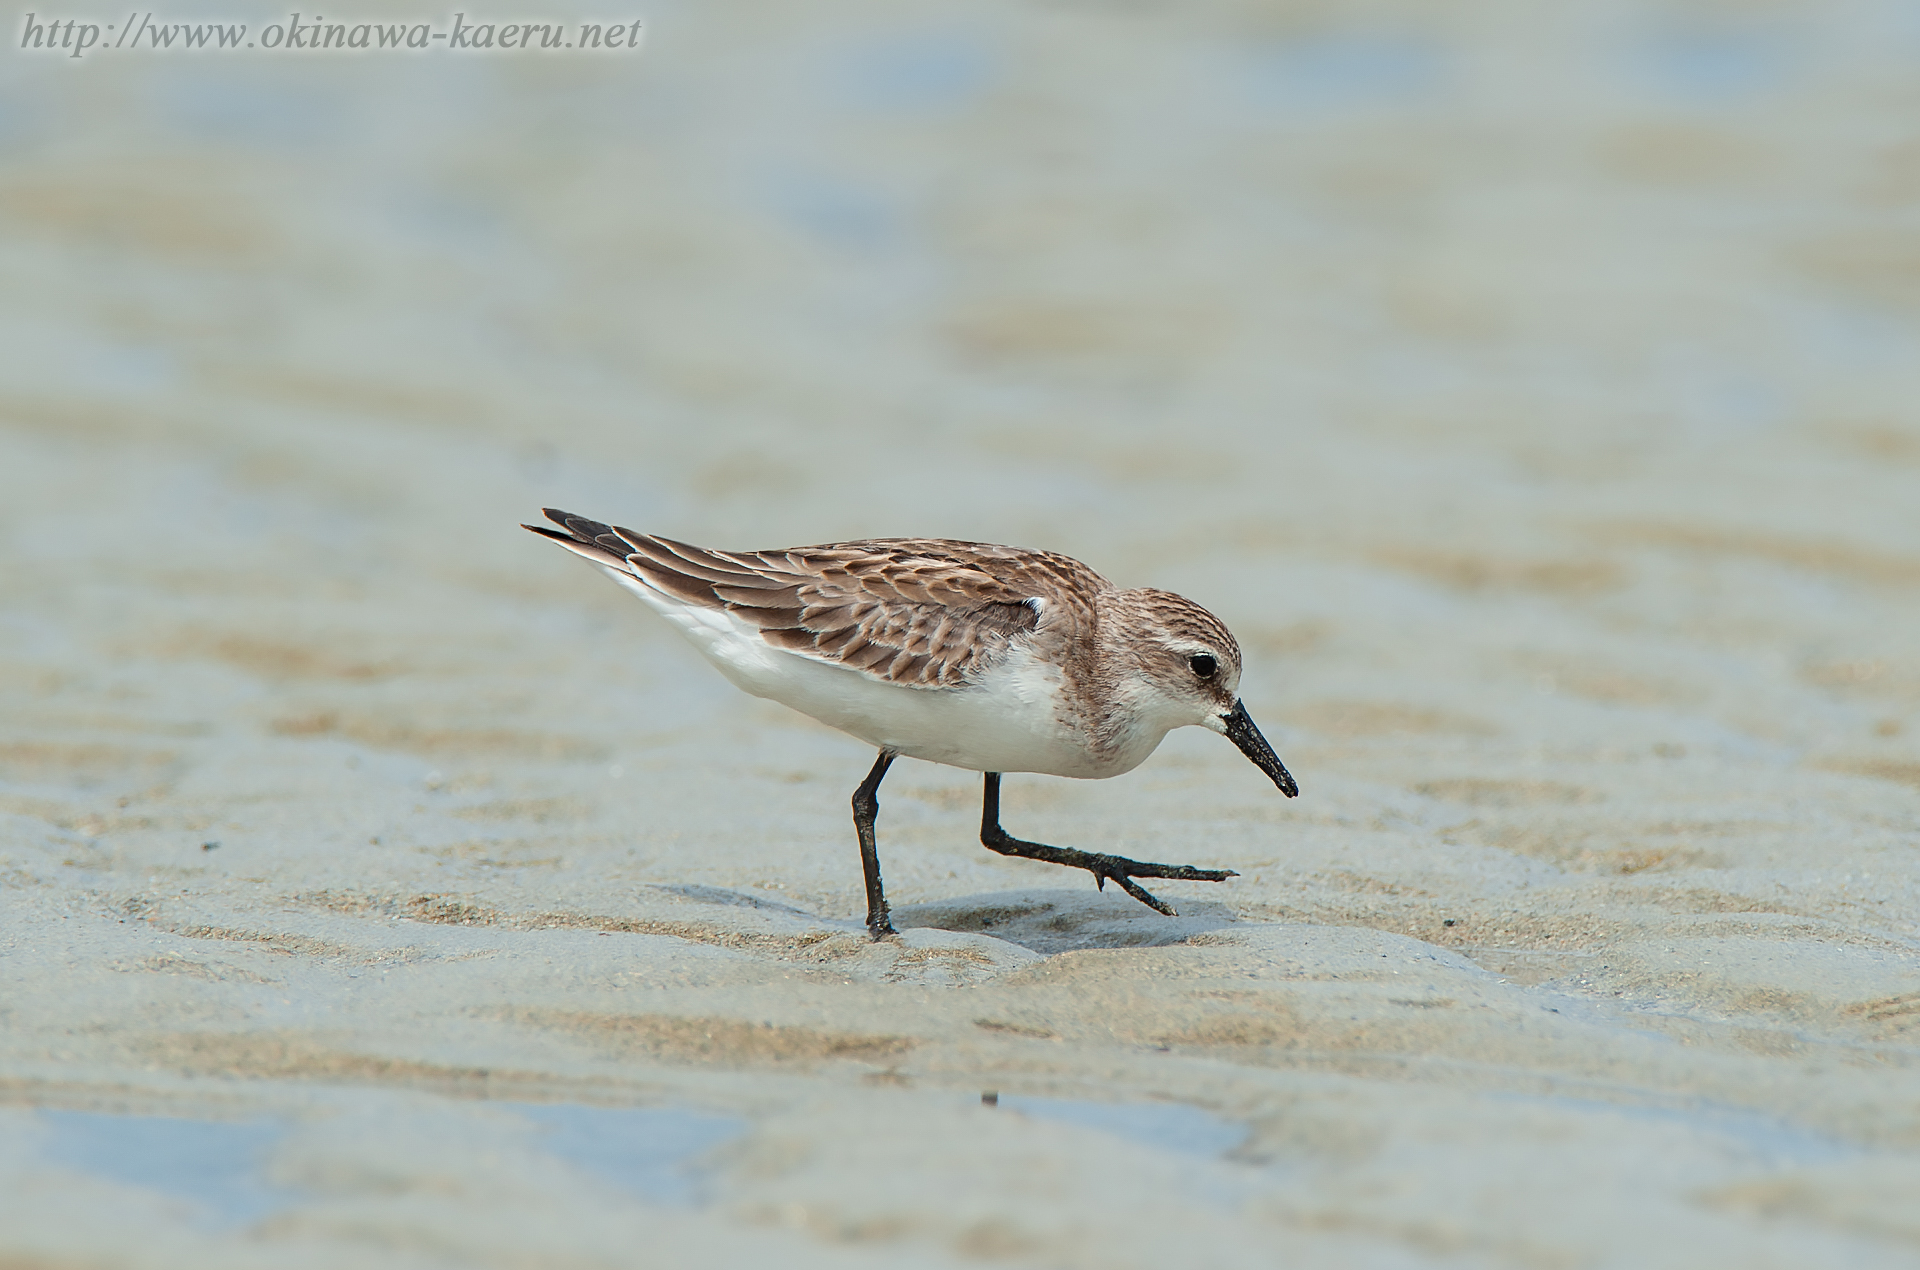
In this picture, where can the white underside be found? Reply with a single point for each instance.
(1009, 721)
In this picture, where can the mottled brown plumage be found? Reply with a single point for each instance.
(918, 612)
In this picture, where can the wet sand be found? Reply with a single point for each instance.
(1531, 393)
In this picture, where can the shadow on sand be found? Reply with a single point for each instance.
(1056, 921)
(729, 898)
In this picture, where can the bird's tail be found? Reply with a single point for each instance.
(602, 544)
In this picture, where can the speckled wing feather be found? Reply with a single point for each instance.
(919, 612)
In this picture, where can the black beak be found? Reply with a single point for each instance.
(1241, 732)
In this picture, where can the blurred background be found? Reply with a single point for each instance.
(1531, 388)
(1291, 273)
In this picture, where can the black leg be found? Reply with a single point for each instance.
(866, 805)
(1119, 868)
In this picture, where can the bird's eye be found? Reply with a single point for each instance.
(1203, 665)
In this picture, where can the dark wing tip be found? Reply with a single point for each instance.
(584, 537)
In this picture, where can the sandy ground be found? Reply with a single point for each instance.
(1530, 387)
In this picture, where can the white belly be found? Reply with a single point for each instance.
(1007, 722)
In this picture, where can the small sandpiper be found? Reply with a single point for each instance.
(994, 659)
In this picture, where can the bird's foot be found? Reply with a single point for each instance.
(1122, 871)
(1105, 868)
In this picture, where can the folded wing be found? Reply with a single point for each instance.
(923, 613)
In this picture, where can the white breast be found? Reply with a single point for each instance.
(1008, 721)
